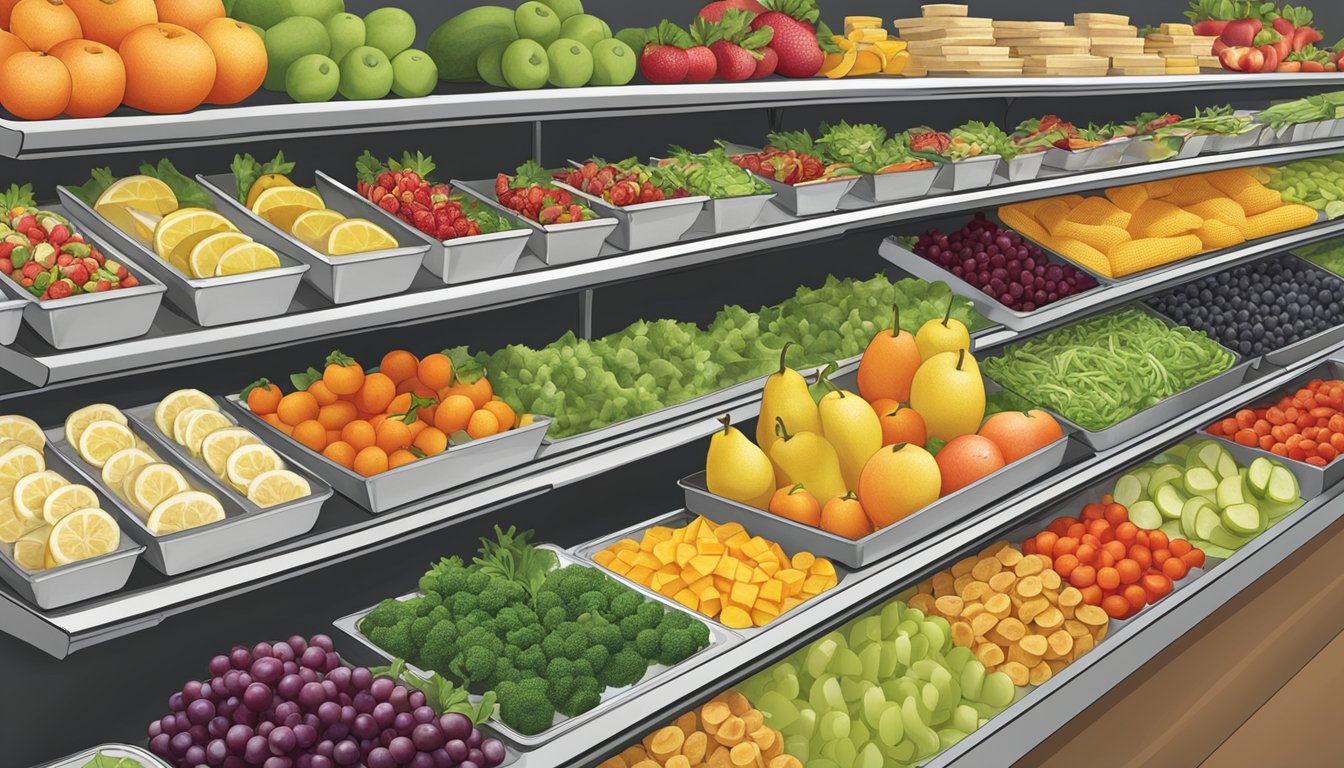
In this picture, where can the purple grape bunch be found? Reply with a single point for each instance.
(1002, 265)
(292, 704)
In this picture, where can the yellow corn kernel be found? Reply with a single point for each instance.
(1129, 197)
(1100, 236)
(1281, 219)
(1258, 199)
(1052, 214)
(1217, 234)
(1232, 181)
(1023, 223)
(1081, 253)
(1159, 189)
(1188, 190)
(1149, 252)
(1224, 209)
(1156, 218)
(1099, 211)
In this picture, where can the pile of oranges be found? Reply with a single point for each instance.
(371, 422)
(84, 58)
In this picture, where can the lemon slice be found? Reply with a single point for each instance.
(66, 499)
(30, 550)
(277, 487)
(183, 223)
(175, 403)
(122, 463)
(149, 486)
(12, 527)
(76, 422)
(220, 444)
(312, 226)
(134, 193)
(184, 511)
(249, 461)
(198, 425)
(32, 491)
(358, 236)
(283, 205)
(180, 258)
(23, 429)
(101, 439)
(264, 183)
(81, 535)
(179, 432)
(16, 463)
(205, 254)
(246, 257)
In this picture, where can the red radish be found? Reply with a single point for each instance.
(739, 49)
(795, 37)
(703, 65)
(714, 11)
(664, 58)
(766, 66)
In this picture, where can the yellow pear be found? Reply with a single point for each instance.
(946, 335)
(949, 393)
(786, 397)
(852, 427)
(807, 458)
(735, 468)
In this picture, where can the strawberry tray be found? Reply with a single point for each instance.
(644, 225)
(342, 279)
(66, 584)
(462, 259)
(206, 301)
(810, 198)
(555, 244)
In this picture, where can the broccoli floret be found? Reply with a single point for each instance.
(699, 633)
(554, 618)
(479, 617)
(625, 604)
(447, 577)
(440, 647)
(478, 664)
(581, 668)
(420, 630)
(526, 616)
(596, 656)
(546, 600)
(505, 671)
(493, 598)
(612, 588)
(477, 582)
(675, 646)
(631, 626)
(608, 636)
(533, 659)
(587, 694)
(592, 602)
(396, 640)
(559, 668)
(559, 688)
(647, 643)
(426, 603)
(527, 709)
(464, 603)
(575, 644)
(650, 613)
(626, 667)
(674, 620)
(506, 619)
(526, 636)
(553, 646)
(483, 636)
(572, 581)
(387, 613)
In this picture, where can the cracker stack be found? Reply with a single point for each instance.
(1182, 50)
(1048, 47)
(944, 40)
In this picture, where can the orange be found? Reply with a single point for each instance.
(889, 364)
(400, 459)
(371, 461)
(431, 441)
(454, 414)
(435, 371)
(240, 55)
(359, 434)
(900, 423)
(483, 424)
(34, 86)
(192, 14)
(844, 516)
(797, 504)
(337, 415)
(507, 418)
(108, 21)
(41, 24)
(416, 427)
(275, 421)
(6, 8)
(169, 68)
(312, 434)
(342, 374)
(264, 397)
(1019, 433)
(393, 434)
(297, 407)
(97, 77)
(479, 390)
(10, 44)
(399, 365)
(376, 394)
(966, 459)
(322, 392)
(409, 384)
(376, 420)
(333, 435)
(340, 452)
(399, 404)
(897, 482)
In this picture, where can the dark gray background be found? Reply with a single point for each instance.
(111, 691)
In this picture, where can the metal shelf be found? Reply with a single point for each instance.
(270, 117)
(175, 341)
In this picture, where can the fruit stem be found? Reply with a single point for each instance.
(896, 447)
(782, 354)
(824, 378)
(781, 431)
(947, 317)
(961, 357)
(796, 488)
(851, 496)
(727, 421)
(895, 320)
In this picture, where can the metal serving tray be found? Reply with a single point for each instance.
(206, 301)
(92, 318)
(1145, 149)
(81, 759)
(11, 317)
(809, 198)
(66, 584)
(1020, 168)
(462, 259)
(719, 639)
(645, 225)
(554, 244)
(342, 279)
(991, 308)
(727, 214)
(1101, 156)
(1150, 418)
(971, 173)
(895, 186)
(459, 465)
(680, 519)
(1235, 142)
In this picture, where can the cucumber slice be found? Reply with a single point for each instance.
(1190, 512)
(1205, 521)
(1276, 511)
(1167, 457)
(1172, 528)
(1282, 486)
(1227, 466)
(1229, 492)
(1213, 550)
(1242, 519)
(1128, 490)
(1257, 476)
(1144, 514)
(1179, 450)
(1222, 537)
(1144, 474)
(1205, 454)
(1161, 476)
(1169, 502)
(1200, 481)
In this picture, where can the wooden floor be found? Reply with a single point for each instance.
(1256, 684)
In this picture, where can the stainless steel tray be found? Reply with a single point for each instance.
(991, 308)
(1235, 142)
(93, 318)
(66, 584)
(1145, 149)
(11, 317)
(206, 301)
(894, 186)
(1100, 156)
(719, 639)
(964, 175)
(680, 519)
(728, 214)
(809, 198)
(82, 758)
(459, 465)
(645, 225)
(554, 244)
(342, 279)
(1021, 168)
(462, 259)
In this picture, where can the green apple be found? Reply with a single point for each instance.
(413, 74)
(313, 78)
(366, 73)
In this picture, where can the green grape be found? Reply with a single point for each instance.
(926, 741)
(957, 658)
(846, 662)
(939, 633)
(870, 756)
(819, 762)
(998, 690)
(949, 736)
(923, 668)
(858, 732)
(800, 747)
(866, 630)
(928, 695)
(903, 649)
(919, 647)
(891, 618)
(874, 704)
(890, 729)
(853, 688)
(780, 708)
(888, 663)
(820, 655)
(806, 724)
(871, 660)
(964, 719)
(972, 679)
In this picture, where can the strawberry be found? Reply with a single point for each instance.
(715, 10)
(702, 63)
(31, 270)
(389, 203)
(795, 37)
(664, 58)
(58, 235)
(766, 66)
(735, 62)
